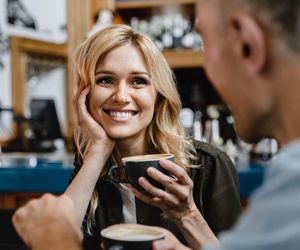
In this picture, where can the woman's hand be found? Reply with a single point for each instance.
(168, 245)
(176, 201)
(87, 123)
(170, 242)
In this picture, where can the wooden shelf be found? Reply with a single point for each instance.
(184, 58)
(27, 45)
(133, 4)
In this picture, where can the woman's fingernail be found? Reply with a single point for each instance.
(141, 180)
(151, 170)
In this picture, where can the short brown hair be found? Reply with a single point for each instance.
(280, 17)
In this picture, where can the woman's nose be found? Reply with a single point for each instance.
(121, 94)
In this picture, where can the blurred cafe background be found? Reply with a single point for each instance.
(37, 41)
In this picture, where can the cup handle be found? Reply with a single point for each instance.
(111, 173)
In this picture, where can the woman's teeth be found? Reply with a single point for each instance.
(119, 114)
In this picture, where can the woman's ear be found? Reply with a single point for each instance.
(252, 47)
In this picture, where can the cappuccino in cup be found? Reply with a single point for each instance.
(130, 236)
(136, 166)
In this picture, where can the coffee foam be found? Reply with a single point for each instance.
(132, 234)
(147, 157)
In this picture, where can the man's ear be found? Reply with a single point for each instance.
(252, 46)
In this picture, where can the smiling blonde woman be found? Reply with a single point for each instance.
(126, 103)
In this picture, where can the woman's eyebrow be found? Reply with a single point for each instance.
(108, 72)
(104, 72)
(140, 73)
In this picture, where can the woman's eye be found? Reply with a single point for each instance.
(105, 81)
(138, 81)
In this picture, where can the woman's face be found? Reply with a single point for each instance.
(124, 97)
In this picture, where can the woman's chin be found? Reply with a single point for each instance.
(117, 135)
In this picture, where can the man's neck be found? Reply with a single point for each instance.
(286, 92)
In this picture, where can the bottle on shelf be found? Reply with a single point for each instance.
(212, 127)
(178, 30)
(197, 126)
(186, 118)
(105, 18)
(231, 150)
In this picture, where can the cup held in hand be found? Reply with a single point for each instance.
(136, 167)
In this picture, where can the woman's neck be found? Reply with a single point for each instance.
(129, 147)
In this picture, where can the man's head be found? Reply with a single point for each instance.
(252, 53)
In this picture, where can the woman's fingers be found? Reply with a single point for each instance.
(142, 197)
(181, 191)
(159, 195)
(83, 114)
(89, 125)
(83, 117)
(75, 100)
(150, 200)
(166, 180)
(177, 171)
(157, 192)
(168, 245)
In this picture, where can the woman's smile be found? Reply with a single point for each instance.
(120, 115)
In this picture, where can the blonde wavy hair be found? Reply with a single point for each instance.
(165, 133)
